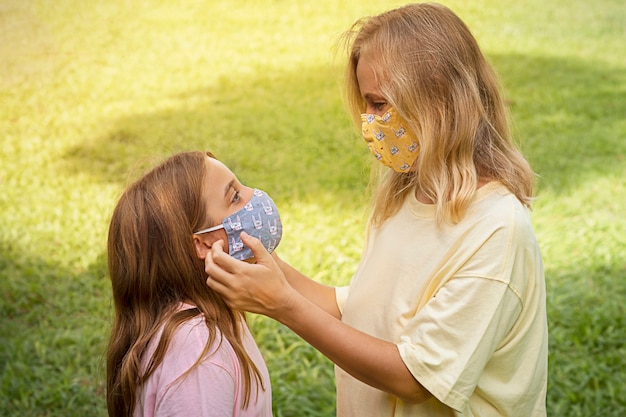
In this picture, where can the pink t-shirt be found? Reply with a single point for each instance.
(213, 389)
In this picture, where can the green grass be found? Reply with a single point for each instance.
(91, 91)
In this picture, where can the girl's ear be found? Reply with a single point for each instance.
(202, 245)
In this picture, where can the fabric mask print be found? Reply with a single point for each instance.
(258, 218)
(389, 141)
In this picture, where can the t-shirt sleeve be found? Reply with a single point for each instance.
(449, 341)
(341, 294)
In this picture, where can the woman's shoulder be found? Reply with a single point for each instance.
(495, 198)
(496, 208)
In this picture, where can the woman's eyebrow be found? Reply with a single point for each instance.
(373, 97)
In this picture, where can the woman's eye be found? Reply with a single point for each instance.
(379, 106)
(376, 106)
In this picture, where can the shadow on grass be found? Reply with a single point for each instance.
(51, 336)
(289, 131)
(568, 116)
(296, 145)
(587, 344)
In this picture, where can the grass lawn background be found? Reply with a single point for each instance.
(92, 92)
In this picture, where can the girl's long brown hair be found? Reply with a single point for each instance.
(154, 268)
(432, 71)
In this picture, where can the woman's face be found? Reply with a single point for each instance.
(223, 195)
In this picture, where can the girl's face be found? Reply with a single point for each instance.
(223, 195)
(376, 103)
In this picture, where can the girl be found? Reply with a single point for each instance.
(176, 348)
(446, 313)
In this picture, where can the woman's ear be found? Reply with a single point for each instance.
(202, 245)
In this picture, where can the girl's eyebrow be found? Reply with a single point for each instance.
(228, 187)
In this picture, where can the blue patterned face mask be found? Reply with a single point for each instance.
(258, 218)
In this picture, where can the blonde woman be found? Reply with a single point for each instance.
(446, 312)
(176, 348)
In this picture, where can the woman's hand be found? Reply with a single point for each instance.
(259, 288)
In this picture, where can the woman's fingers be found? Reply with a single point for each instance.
(261, 254)
(260, 287)
(218, 261)
(217, 286)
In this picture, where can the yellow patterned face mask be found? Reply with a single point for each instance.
(389, 141)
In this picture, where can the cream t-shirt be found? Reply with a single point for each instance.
(465, 304)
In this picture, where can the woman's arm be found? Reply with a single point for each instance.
(264, 288)
(319, 294)
(371, 360)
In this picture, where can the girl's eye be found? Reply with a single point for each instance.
(236, 197)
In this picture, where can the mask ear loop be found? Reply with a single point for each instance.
(210, 229)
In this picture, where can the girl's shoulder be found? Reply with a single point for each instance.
(186, 350)
(193, 334)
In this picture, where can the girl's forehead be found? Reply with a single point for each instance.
(217, 168)
(218, 177)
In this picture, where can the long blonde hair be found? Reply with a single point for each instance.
(154, 268)
(431, 70)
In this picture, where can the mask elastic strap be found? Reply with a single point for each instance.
(210, 229)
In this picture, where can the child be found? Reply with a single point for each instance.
(446, 312)
(176, 348)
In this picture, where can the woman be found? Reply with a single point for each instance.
(446, 313)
